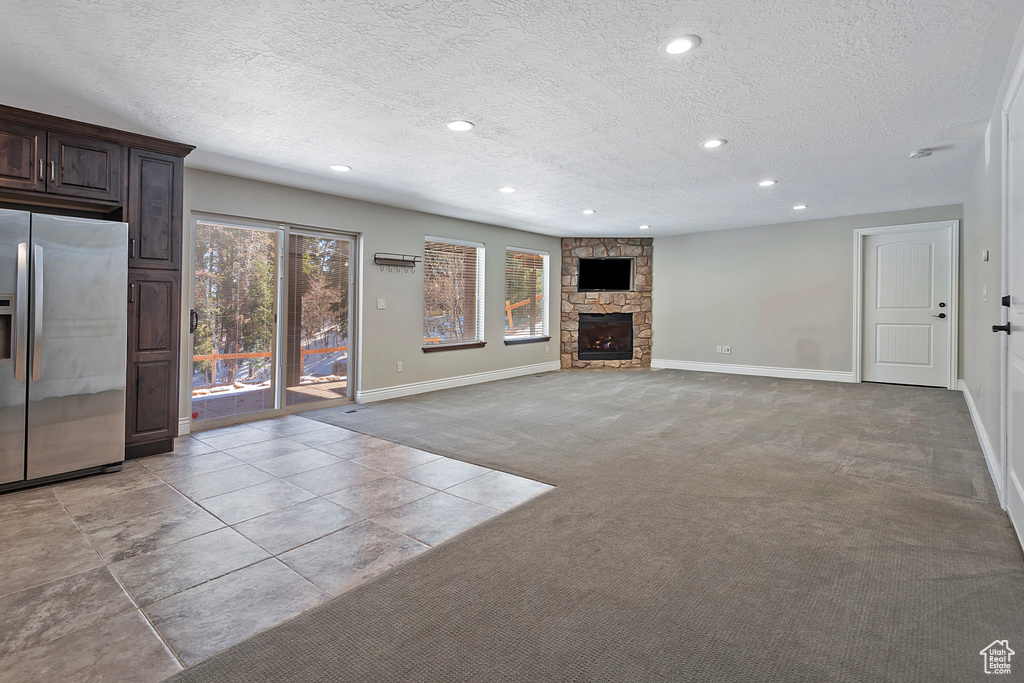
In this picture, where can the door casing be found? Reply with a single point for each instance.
(859, 235)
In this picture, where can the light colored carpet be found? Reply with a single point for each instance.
(705, 527)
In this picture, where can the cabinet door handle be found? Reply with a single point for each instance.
(42, 169)
(131, 251)
(131, 293)
(53, 171)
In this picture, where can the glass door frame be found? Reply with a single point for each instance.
(278, 347)
(282, 329)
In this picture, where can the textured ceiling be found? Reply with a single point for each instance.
(574, 105)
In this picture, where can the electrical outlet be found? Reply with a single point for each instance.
(398, 366)
(382, 304)
(718, 349)
(984, 293)
(547, 348)
(726, 349)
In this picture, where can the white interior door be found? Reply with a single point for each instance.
(1015, 316)
(908, 306)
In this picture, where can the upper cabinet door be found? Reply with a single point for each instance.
(84, 167)
(22, 151)
(154, 210)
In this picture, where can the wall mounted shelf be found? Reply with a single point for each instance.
(383, 259)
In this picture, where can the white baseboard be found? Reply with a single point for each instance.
(371, 395)
(184, 426)
(991, 455)
(756, 370)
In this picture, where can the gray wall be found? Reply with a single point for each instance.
(396, 333)
(781, 296)
(979, 347)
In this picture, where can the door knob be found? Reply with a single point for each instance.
(940, 316)
(1001, 328)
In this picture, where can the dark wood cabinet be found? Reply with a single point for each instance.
(154, 210)
(153, 329)
(80, 166)
(59, 163)
(22, 152)
(50, 164)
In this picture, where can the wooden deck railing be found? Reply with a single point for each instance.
(216, 357)
(262, 354)
(510, 306)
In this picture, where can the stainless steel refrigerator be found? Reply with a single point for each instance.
(63, 337)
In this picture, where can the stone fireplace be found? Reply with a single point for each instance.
(606, 329)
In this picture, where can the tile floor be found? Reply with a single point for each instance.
(133, 575)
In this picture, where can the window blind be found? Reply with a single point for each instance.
(452, 293)
(526, 294)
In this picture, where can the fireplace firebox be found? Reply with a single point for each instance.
(605, 336)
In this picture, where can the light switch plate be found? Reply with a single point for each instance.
(382, 304)
(984, 255)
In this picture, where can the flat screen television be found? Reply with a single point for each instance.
(605, 275)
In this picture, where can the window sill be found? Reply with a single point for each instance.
(454, 347)
(528, 340)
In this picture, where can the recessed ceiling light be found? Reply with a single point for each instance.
(588, 212)
(460, 126)
(711, 144)
(644, 227)
(507, 190)
(767, 183)
(677, 46)
(341, 168)
(799, 207)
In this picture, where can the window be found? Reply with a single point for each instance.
(526, 294)
(453, 293)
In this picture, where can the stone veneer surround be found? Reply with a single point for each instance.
(637, 302)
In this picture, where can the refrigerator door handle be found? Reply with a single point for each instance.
(21, 314)
(37, 313)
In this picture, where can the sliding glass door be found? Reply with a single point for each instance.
(319, 318)
(273, 319)
(233, 343)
